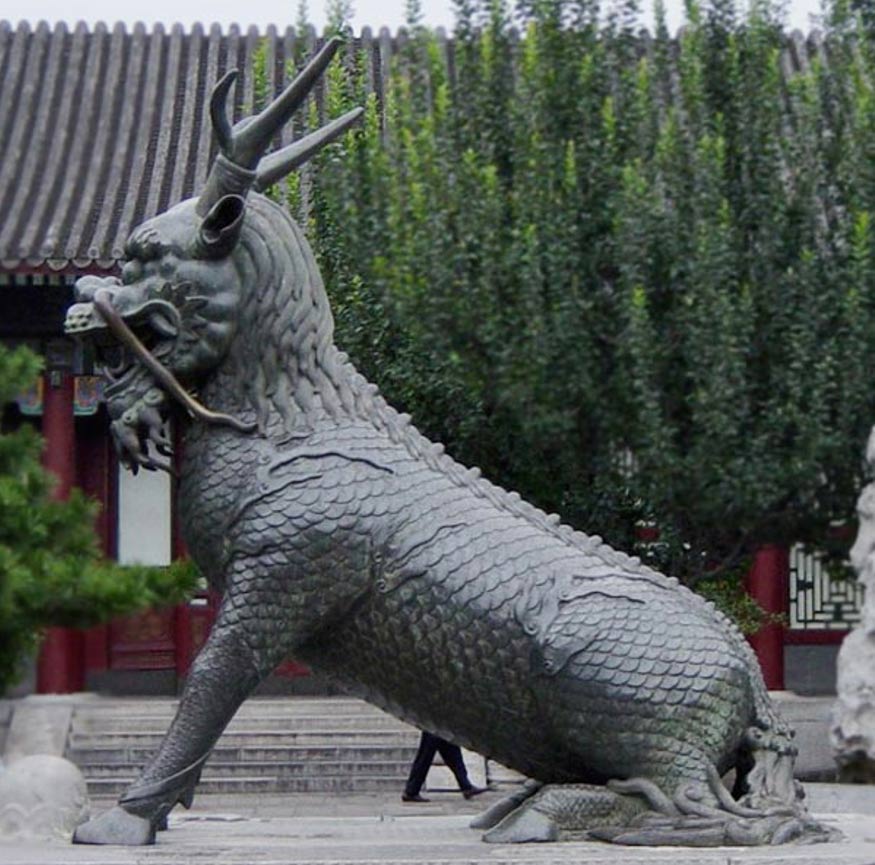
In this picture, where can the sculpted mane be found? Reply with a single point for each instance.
(283, 356)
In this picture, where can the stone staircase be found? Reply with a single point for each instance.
(301, 745)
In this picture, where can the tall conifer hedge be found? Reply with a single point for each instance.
(629, 276)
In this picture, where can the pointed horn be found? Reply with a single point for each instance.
(218, 110)
(253, 139)
(241, 146)
(276, 166)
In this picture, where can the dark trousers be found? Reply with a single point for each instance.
(429, 745)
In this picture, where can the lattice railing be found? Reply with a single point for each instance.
(819, 602)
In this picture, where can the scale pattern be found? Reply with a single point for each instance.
(340, 536)
(438, 601)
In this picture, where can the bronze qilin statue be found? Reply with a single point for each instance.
(340, 536)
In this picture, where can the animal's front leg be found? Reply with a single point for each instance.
(226, 671)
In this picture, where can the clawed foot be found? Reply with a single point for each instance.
(655, 830)
(496, 812)
(525, 825)
(556, 811)
(636, 812)
(116, 826)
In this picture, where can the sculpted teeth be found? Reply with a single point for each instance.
(163, 326)
(120, 367)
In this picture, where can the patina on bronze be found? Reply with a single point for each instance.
(338, 535)
(102, 302)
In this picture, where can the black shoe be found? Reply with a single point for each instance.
(471, 792)
(415, 797)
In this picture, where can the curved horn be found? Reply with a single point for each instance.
(254, 138)
(218, 110)
(276, 166)
(242, 146)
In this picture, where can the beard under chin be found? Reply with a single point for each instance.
(123, 392)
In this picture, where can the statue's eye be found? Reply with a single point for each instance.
(132, 271)
(169, 266)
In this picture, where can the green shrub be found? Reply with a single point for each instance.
(50, 570)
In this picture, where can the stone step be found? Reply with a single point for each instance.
(327, 725)
(269, 742)
(285, 707)
(258, 769)
(114, 754)
(501, 777)
(320, 724)
(288, 745)
(115, 786)
(135, 734)
(85, 722)
(240, 741)
(280, 708)
(104, 788)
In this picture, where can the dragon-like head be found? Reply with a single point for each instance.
(172, 316)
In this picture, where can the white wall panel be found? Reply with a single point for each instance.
(144, 518)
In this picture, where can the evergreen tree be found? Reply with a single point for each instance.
(339, 14)
(630, 278)
(50, 569)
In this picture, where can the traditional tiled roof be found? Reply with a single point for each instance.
(102, 129)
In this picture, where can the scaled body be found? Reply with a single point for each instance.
(340, 536)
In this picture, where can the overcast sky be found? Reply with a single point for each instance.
(372, 13)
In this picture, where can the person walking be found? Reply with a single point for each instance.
(429, 745)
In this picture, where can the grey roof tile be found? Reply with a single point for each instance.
(102, 129)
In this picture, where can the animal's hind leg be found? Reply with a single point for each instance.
(225, 672)
(495, 813)
(636, 811)
(563, 810)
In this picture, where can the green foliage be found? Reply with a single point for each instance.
(261, 94)
(50, 569)
(727, 593)
(302, 17)
(633, 285)
(339, 14)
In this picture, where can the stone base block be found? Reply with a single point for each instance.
(43, 797)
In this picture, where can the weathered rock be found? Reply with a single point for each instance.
(853, 729)
(42, 796)
(39, 726)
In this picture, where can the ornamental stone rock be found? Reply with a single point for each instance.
(853, 727)
(42, 796)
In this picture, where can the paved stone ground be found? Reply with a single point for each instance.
(380, 830)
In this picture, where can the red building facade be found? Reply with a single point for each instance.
(101, 130)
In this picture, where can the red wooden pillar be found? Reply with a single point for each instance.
(182, 639)
(60, 666)
(95, 478)
(767, 585)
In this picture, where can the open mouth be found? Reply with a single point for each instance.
(162, 324)
(156, 324)
(118, 365)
